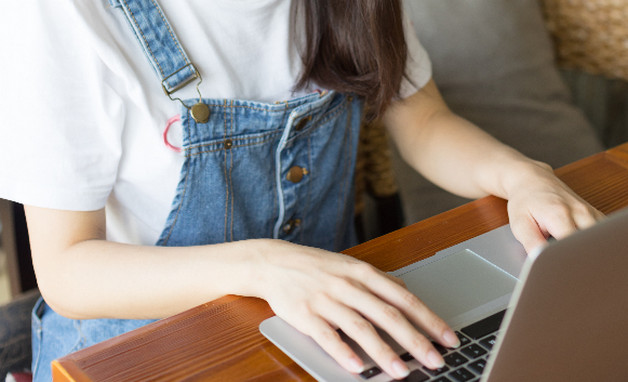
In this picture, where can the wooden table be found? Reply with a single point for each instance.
(220, 340)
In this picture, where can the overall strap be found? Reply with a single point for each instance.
(160, 44)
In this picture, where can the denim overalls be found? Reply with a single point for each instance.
(251, 170)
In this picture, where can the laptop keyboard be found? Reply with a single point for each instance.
(461, 365)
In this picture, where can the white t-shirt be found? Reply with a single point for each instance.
(83, 112)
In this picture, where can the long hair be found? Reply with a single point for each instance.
(355, 46)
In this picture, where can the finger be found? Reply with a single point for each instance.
(586, 216)
(331, 342)
(394, 322)
(420, 314)
(559, 222)
(362, 331)
(528, 233)
(396, 280)
(413, 308)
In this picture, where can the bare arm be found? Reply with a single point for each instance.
(460, 157)
(84, 276)
(81, 275)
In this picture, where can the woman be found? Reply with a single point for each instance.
(259, 200)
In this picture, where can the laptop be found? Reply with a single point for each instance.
(559, 314)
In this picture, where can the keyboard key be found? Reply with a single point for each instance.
(473, 351)
(440, 348)
(406, 357)
(435, 372)
(477, 366)
(442, 379)
(488, 342)
(463, 340)
(416, 376)
(484, 327)
(461, 375)
(455, 359)
(366, 374)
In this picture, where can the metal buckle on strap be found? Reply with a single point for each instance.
(184, 83)
(199, 111)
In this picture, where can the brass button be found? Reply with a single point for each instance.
(200, 112)
(291, 225)
(296, 173)
(301, 124)
(228, 144)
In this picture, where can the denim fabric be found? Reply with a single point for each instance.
(157, 38)
(54, 336)
(234, 186)
(234, 182)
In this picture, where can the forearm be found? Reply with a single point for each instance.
(101, 279)
(465, 160)
(454, 153)
(82, 275)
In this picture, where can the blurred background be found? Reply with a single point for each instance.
(5, 295)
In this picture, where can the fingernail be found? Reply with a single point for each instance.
(400, 369)
(451, 339)
(435, 359)
(356, 366)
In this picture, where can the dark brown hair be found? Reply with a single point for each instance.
(355, 46)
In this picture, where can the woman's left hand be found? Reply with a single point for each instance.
(463, 159)
(541, 206)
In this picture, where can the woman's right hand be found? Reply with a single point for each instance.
(317, 292)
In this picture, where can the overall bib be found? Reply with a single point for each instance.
(251, 170)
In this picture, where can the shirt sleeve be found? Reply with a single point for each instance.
(61, 116)
(418, 64)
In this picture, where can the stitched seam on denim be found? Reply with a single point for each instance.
(248, 107)
(222, 148)
(283, 118)
(225, 168)
(38, 313)
(275, 195)
(174, 39)
(143, 37)
(230, 173)
(308, 194)
(341, 107)
(81, 341)
(270, 108)
(275, 211)
(315, 124)
(263, 109)
(286, 113)
(183, 193)
(264, 136)
(38, 355)
(344, 185)
(223, 105)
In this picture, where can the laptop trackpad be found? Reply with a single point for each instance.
(456, 283)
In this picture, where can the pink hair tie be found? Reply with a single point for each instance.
(170, 122)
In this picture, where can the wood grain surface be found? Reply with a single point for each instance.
(220, 340)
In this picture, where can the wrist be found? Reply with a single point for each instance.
(253, 266)
(522, 175)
